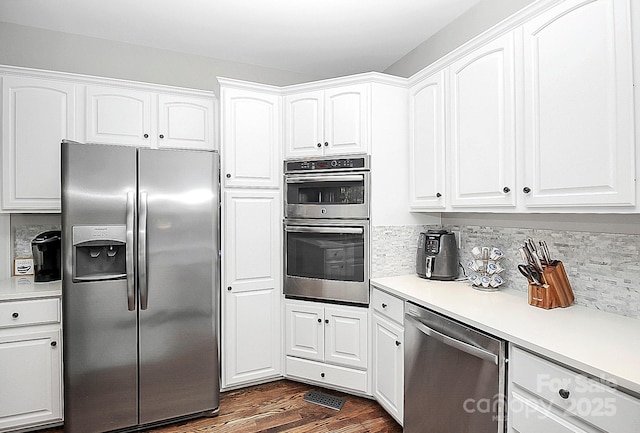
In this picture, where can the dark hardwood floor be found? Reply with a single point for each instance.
(279, 407)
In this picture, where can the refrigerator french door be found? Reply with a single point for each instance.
(140, 283)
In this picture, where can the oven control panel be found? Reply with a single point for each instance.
(332, 164)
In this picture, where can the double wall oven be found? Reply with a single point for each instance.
(326, 229)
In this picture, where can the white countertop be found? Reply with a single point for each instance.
(602, 344)
(24, 287)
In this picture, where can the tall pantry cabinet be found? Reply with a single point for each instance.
(252, 235)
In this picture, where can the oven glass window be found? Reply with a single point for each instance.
(323, 193)
(326, 256)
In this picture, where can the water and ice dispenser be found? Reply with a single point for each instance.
(99, 253)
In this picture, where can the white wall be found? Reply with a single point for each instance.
(44, 49)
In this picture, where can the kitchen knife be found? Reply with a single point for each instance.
(546, 251)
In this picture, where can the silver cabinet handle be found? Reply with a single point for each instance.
(142, 253)
(131, 276)
(452, 342)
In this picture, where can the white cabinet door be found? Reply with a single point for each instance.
(119, 116)
(482, 136)
(304, 331)
(251, 335)
(36, 115)
(185, 122)
(251, 322)
(304, 124)
(346, 119)
(30, 373)
(251, 138)
(346, 336)
(427, 145)
(327, 122)
(253, 227)
(579, 123)
(388, 366)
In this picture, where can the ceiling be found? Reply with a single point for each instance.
(323, 38)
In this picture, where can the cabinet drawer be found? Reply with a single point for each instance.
(22, 313)
(388, 305)
(588, 399)
(528, 417)
(327, 374)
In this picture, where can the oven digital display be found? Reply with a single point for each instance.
(326, 164)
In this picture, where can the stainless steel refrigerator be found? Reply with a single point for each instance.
(140, 281)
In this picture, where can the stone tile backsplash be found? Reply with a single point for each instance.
(603, 269)
(25, 234)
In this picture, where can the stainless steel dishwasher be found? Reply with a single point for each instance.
(454, 376)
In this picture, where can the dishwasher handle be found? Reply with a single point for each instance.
(456, 344)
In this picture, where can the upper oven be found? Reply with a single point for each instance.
(327, 188)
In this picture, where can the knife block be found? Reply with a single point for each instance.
(557, 293)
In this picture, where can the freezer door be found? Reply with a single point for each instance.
(177, 253)
(100, 337)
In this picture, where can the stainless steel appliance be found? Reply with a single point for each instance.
(46, 256)
(327, 260)
(437, 255)
(454, 376)
(327, 188)
(140, 283)
(326, 229)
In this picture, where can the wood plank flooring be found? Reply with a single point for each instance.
(279, 407)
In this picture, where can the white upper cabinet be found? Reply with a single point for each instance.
(148, 119)
(185, 122)
(304, 133)
(118, 116)
(327, 122)
(251, 138)
(346, 119)
(539, 115)
(36, 115)
(482, 129)
(427, 143)
(578, 93)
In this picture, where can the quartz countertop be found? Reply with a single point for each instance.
(23, 287)
(602, 344)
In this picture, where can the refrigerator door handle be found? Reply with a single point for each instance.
(131, 281)
(142, 253)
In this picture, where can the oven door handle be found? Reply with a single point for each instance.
(335, 178)
(332, 230)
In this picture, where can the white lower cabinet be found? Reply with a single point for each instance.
(387, 365)
(30, 364)
(251, 293)
(327, 344)
(548, 397)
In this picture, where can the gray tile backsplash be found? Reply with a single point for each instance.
(603, 269)
(24, 235)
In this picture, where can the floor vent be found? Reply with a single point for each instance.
(325, 400)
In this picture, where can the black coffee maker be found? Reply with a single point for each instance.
(46, 256)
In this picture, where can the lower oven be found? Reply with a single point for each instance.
(327, 260)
